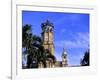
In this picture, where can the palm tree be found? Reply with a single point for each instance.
(26, 38)
(26, 34)
(28, 41)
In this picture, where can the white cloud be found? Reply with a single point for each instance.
(80, 40)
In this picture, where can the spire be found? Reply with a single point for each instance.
(64, 58)
(64, 51)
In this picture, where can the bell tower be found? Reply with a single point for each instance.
(64, 58)
(47, 36)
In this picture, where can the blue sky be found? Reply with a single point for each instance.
(71, 31)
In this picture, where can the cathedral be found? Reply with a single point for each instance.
(48, 43)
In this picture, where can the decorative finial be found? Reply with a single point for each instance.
(47, 23)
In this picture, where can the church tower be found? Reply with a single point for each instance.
(47, 36)
(64, 58)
